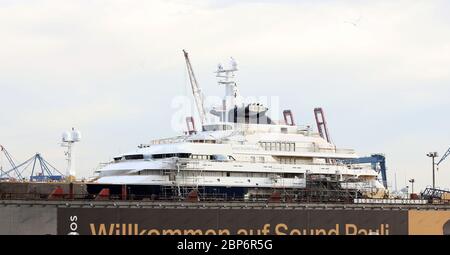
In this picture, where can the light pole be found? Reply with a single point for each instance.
(433, 155)
(412, 185)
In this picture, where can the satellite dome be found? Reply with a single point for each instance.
(76, 135)
(67, 137)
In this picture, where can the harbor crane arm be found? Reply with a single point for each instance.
(11, 162)
(374, 160)
(443, 157)
(198, 96)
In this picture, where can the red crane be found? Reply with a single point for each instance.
(322, 124)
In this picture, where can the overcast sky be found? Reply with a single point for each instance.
(380, 70)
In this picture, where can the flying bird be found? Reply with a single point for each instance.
(354, 22)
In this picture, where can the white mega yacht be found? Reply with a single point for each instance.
(243, 154)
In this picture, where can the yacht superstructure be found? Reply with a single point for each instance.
(243, 154)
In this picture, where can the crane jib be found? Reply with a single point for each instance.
(196, 91)
(444, 157)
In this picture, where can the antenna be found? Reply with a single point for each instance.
(69, 138)
(395, 176)
(227, 73)
(233, 64)
(227, 78)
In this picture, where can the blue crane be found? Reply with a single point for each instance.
(41, 170)
(375, 160)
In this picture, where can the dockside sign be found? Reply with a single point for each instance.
(141, 221)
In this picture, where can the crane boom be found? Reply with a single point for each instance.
(196, 91)
(11, 162)
(444, 157)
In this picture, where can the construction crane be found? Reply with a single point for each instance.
(6, 174)
(41, 170)
(196, 91)
(443, 158)
(44, 171)
(378, 162)
(322, 124)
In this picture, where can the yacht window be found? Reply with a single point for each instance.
(149, 172)
(293, 175)
(220, 157)
(240, 174)
(263, 145)
(170, 155)
(136, 156)
(217, 127)
(117, 158)
(206, 157)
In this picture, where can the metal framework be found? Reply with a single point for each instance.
(45, 172)
(443, 157)
(196, 90)
(288, 118)
(432, 193)
(190, 125)
(322, 124)
(13, 170)
(37, 166)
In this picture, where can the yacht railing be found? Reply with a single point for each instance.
(177, 139)
(354, 167)
(312, 149)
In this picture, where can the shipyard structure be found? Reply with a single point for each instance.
(240, 172)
